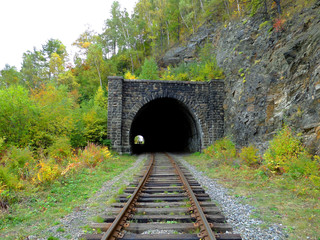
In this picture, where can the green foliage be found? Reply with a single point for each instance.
(2, 146)
(255, 5)
(77, 138)
(60, 149)
(167, 75)
(100, 100)
(223, 150)
(9, 76)
(250, 156)
(182, 77)
(283, 148)
(91, 121)
(52, 238)
(50, 116)
(129, 75)
(149, 70)
(68, 79)
(19, 161)
(204, 70)
(56, 115)
(181, 72)
(94, 130)
(8, 180)
(44, 65)
(92, 155)
(264, 25)
(18, 115)
(286, 154)
(47, 172)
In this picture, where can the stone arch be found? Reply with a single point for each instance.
(182, 132)
(146, 99)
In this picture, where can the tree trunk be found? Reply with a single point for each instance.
(278, 6)
(168, 33)
(201, 4)
(266, 14)
(195, 18)
(226, 3)
(238, 5)
(98, 70)
(178, 28)
(185, 23)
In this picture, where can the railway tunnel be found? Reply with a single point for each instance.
(166, 125)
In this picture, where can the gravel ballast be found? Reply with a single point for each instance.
(237, 213)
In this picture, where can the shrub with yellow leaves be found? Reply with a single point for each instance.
(250, 156)
(168, 75)
(129, 75)
(92, 155)
(286, 154)
(47, 172)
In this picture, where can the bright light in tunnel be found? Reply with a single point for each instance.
(139, 140)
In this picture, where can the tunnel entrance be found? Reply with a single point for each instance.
(166, 126)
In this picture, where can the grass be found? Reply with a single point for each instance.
(278, 199)
(38, 208)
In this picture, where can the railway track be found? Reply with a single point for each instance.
(165, 202)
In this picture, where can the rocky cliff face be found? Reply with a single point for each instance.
(272, 77)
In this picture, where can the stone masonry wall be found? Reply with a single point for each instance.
(204, 100)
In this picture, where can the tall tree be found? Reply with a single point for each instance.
(9, 76)
(91, 67)
(119, 31)
(39, 66)
(55, 57)
(95, 59)
(33, 69)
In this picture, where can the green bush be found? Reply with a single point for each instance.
(91, 121)
(56, 115)
(302, 166)
(8, 180)
(223, 150)
(18, 115)
(2, 140)
(249, 156)
(149, 70)
(92, 155)
(20, 162)
(60, 149)
(286, 154)
(77, 138)
(168, 75)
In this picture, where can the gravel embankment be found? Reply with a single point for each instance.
(73, 223)
(237, 213)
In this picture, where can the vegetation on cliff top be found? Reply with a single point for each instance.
(126, 41)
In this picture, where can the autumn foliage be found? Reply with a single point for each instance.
(43, 131)
(278, 25)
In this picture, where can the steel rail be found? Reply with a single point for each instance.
(206, 232)
(114, 230)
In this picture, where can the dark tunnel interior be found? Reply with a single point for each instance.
(166, 126)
